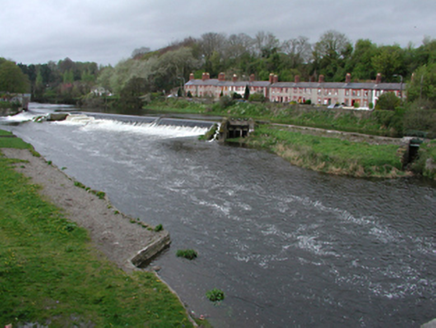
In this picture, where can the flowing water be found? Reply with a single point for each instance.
(289, 247)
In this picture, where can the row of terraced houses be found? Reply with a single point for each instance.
(324, 93)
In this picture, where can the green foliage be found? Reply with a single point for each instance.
(12, 78)
(215, 295)
(388, 101)
(257, 97)
(247, 93)
(424, 120)
(158, 228)
(189, 254)
(225, 101)
(356, 104)
(189, 94)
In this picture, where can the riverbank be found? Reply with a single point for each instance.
(66, 253)
(334, 141)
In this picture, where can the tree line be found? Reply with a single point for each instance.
(333, 55)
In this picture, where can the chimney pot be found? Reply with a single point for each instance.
(276, 79)
(191, 76)
(252, 78)
(348, 78)
(271, 78)
(378, 79)
(235, 77)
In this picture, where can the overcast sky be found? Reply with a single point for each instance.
(107, 31)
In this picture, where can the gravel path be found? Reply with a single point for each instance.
(113, 234)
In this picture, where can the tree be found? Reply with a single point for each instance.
(389, 61)
(330, 54)
(360, 63)
(12, 78)
(247, 92)
(423, 86)
(388, 101)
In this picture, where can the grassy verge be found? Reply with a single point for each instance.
(51, 275)
(380, 122)
(329, 155)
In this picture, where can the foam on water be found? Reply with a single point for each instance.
(89, 124)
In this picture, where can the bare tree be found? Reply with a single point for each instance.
(298, 49)
(265, 42)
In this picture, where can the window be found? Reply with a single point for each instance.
(319, 92)
(347, 92)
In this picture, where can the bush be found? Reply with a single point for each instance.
(356, 104)
(257, 97)
(189, 254)
(225, 101)
(236, 96)
(308, 102)
(215, 295)
(158, 228)
(388, 101)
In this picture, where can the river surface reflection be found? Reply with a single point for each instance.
(289, 247)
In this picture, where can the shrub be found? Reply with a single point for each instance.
(308, 102)
(189, 254)
(388, 100)
(356, 104)
(225, 101)
(236, 96)
(215, 295)
(257, 97)
(189, 94)
(158, 228)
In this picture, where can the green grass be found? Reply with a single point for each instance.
(8, 142)
(189, 254)
(51, 274)
(330, 155)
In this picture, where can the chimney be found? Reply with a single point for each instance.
(276, 79)
(321, 79)
(378, 79)
(235, 78)
(297, 79)
(348, 78)
(271, 78)
(221, 77)
(204, 77)
(191, 76)
(252, 78)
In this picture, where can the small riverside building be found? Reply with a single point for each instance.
(323, 93)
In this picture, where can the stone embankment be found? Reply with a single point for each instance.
(125, 241)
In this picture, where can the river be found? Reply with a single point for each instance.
(289, 247)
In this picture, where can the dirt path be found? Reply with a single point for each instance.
(113, 234)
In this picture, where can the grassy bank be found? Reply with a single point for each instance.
(384, 123)
(329, 155)
(51, 275)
